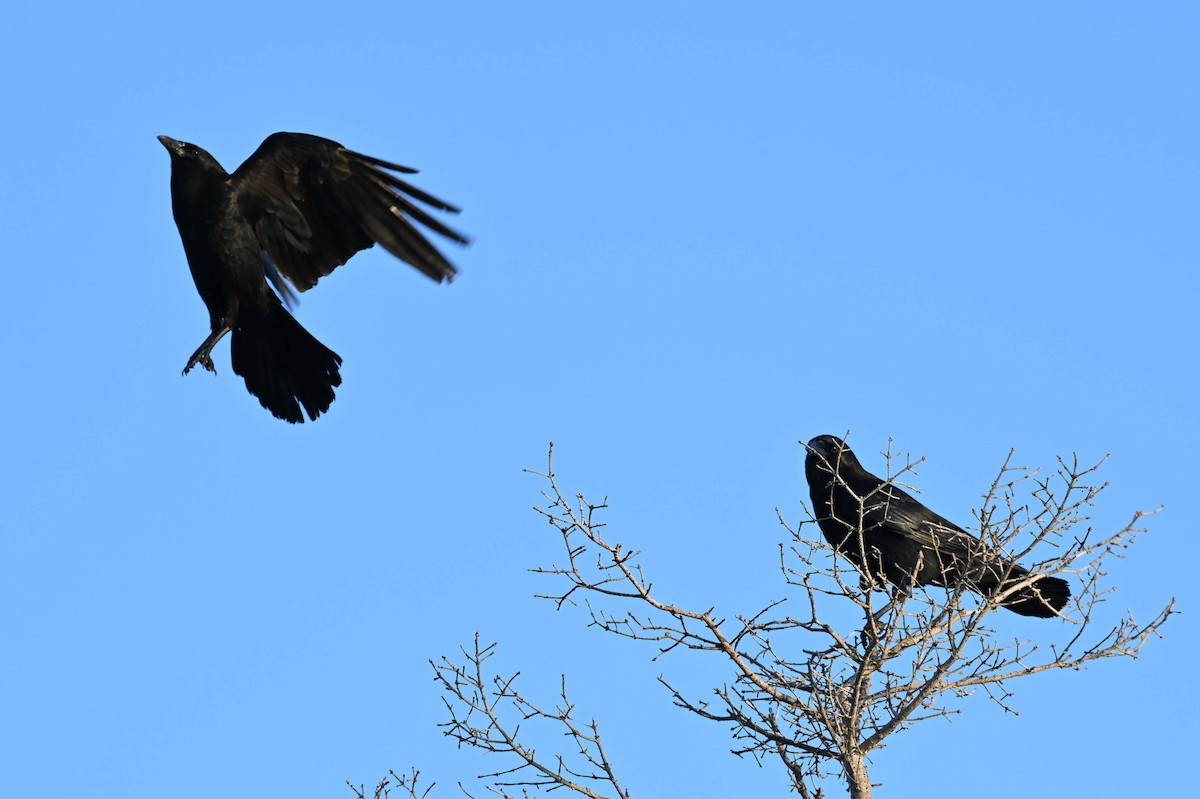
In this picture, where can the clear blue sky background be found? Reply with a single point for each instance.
(701, 235)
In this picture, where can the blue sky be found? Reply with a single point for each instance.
(701, 235)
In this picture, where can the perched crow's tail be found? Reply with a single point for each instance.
(284, 365)
(1043, 599)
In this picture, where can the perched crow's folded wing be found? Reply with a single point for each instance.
(895, 510)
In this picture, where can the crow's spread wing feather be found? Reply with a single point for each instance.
(312, 204)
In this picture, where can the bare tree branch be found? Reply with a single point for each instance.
(383, 790)
(482, 711)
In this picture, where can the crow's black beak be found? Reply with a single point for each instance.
(172, 145)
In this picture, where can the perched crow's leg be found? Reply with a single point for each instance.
(868, 636)
(883, 611)
(898, 596)
(868, 586)
(203, 354)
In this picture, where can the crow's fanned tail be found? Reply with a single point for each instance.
(284, 365)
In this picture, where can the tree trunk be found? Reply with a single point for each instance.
(855, 766)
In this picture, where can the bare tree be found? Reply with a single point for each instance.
(816, 696)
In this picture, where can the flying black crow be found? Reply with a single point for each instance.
(298, 208)
(890, 536)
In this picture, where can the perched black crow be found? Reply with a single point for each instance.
(890, 536)
(298, 208)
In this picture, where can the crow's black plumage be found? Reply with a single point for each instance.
(889, 536)
(298, 208)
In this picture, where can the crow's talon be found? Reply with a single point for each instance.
(204, 360)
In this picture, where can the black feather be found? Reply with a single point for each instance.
(891, 537)
(297, 209)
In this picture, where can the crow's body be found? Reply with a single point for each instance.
(298, 208)
(889, 536)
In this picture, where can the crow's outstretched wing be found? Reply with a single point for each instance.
(313, 204)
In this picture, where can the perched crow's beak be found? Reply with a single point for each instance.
(172, 145)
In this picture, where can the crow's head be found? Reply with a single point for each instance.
(179, 149)
(184, 153)
(830, 453)
(827, 447)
